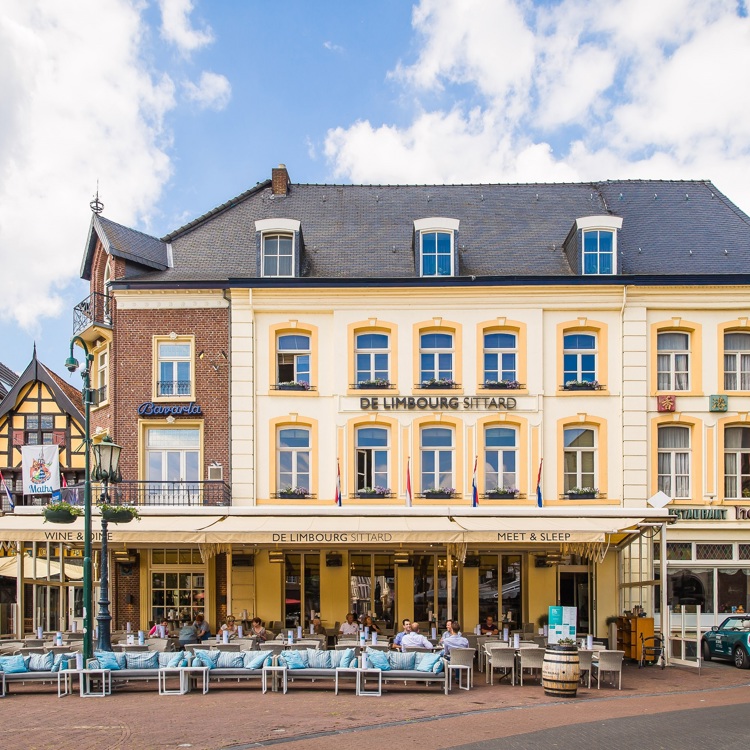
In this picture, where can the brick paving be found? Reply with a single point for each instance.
(311, 717)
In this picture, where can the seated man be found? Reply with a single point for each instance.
(489, 627)
(187, 634)
(202, 628)
(406, 623)
(447, 630)
(454, 640)
(414, 639)
(349, 627)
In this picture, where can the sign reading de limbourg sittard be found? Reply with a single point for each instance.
(149, 408)
(438, 402)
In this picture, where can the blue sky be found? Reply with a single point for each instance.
(175, 106)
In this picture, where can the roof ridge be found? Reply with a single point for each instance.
(130, 229)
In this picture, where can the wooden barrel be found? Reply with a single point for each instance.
(561, 671)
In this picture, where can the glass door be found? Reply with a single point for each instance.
(574, 592)
(173, 469)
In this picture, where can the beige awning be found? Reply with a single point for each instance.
(336, 529)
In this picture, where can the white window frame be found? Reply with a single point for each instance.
(440, 225)
(371, 353)
(295, 354)
(666, 480)
(735, 476)
(500, 478)
(669, 356)
(734, 357)
(274, 228)
(435, 353)
(579, 353)
(102, 374)
(576, 479)
(600, 223)
(434, 481)
(369, 477)
(296, 452)
(174, 394)
(500, 352)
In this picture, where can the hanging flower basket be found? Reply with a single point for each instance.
(61, 513)
(119, 514)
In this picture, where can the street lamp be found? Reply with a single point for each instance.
(106, 470)
(72, 365)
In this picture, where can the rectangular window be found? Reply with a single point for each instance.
(294, 460)
(499, 357)
(371, 355)
(598, 252)
(278, 255)
(733, 588)
(102, 377)
(293, 360)
(173, 466)
(737, 361)
(579, 460)
(674, 461)
(714, 551)
(437, 459)
(437, 253)
(500, 459)
(177, 596)
(372, 459)
(673, 361)
(579, 358)
(737, 462)
(175, 367)
(436, 358)
(688, 587)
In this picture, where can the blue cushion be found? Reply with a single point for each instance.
(347, 657)
(13, 664)
(378, 660)
(257, 659)
(142, 659)
(230, 660)
(399, 660)
(110, 660)
(176, 660)
(61, 660)
(293, 659)
(319, 659)
(427, 662)
(41, 662)
(205, 658)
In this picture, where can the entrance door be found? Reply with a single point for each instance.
(75, 607)
(173, 467)
(574, 592)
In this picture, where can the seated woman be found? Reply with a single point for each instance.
(257, 629)
(187, 634)
(230, 626)
(368, 623)
(155, 629)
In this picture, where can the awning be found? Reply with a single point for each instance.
(39, 568)
(259, 526)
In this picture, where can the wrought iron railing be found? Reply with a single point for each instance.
(174, 387)
(146, 494)
(99, 395)
(96, 309)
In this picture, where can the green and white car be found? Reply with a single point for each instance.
(730, 640)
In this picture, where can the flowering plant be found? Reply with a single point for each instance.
(74, 510)
(376, 490)
(303, 384)
(582, 491)
(375, 381)
(504, 490)
(510, 384)
(438, 383)
(301, 491)
(593, 384)
(133, 511)
(440, 491)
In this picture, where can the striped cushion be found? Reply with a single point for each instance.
(110, 660)
(257, 659)
(205, 658)
(41, 662)
(230, 660)
(142, 659)
(318, 659)
(399, 660)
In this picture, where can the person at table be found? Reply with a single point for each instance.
(447, 630)
(406, 624)
(454, 640)
(155, 630)
(187, 634)
(489, 627)
(349, 627)
(202, 628)
(230, 626)
(368, 623)
(257, 629)
(317, 627)
(414, 639)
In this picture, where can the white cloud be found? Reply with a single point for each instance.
(213, 91)
(565, 91)
(177, 29)
(78, 106)
(333, 47)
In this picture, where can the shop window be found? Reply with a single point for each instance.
(177, 596)
(690, 587)
(737, 463)
(733, 589)
(301, 588)
(737, 361)
(673, 361)
(372, 587)
(674, 461)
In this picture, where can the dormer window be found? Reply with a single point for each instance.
(279, 243)
(598, 256)
(436, 246)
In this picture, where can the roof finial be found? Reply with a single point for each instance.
(96, 205)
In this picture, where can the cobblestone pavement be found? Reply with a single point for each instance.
(310, 716)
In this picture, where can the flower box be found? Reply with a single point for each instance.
(61, 515)
(292, 387)
(293, 495)
(501, 385)
(117, 515)
(438, 495)
(373, 384)
(581, 495)
(501, 495)
(581, 385)
(438, 383)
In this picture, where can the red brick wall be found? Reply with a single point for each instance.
(127, 584)
(220, 615)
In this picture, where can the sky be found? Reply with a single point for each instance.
(171, 107)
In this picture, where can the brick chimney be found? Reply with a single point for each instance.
(280, 180)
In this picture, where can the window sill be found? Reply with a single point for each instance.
(583, 392)
(568, 503)
(493, 390)
(293, 392)
(678, 394)
(172, 399)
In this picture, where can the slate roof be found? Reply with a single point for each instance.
(7, 380)
(366, 231)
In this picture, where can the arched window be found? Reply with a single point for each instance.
(435, 357)
(579, 459)
(372, 458)
(293, 359)
(674, 461)
(579, 358)
(737, 361)
(737, 462)
(500, 352)
(437, 459)
(372, 358)
(673, 361)
(500, 458)
(293, 451)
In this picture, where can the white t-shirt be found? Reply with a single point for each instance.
(349, 628)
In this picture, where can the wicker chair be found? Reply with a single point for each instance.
(584, 661)
(608, 661)
(531, 659)
(464, 657)
(501, 658)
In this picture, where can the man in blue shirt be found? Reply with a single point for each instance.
(400, 636)
(414, 638)
(454, 640)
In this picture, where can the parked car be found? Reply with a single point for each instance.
(730, 640)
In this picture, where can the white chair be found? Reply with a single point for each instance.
(608, 661)
(464, 657)
(531, 659)
(489, 647)
(501, 658)
(275, 646)
(584, 662)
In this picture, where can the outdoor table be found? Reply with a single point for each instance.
(85, 678)
(461, 669)
(361, 676)
(340, 671)
(274, 671)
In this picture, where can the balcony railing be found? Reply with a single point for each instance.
(96, 309)
(174, 387)
(99, 395)
(145, 494)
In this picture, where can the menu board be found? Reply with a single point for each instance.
(562, 623)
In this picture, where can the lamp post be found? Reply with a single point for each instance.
(72, 365)
(106, 470)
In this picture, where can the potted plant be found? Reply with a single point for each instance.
(746, 492)
(437, 493)
(61, 512)
(293, 385)
(119, 513)
(376, 491)
(374, 383)
(581, 385)
(502, 492)
(438, 383)
(543, 620)
(502, 384)
(582, 493)
(293, 492)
